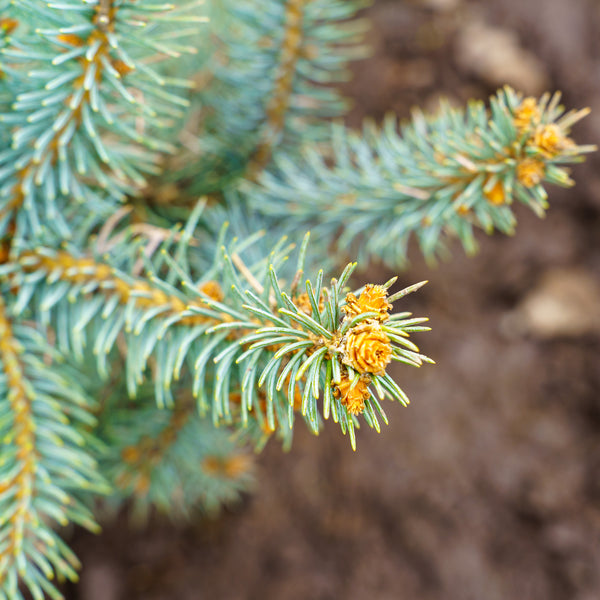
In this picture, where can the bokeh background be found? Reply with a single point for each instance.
(488, 485)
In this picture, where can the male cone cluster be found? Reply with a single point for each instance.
(547, 139)
(365, 347)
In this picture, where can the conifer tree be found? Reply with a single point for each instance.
(162, 307)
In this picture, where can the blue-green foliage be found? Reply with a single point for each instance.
(241, 81)
(169, 459)
(145, 340)
(284, 353)
(64, 470)
(4, 88)
(88, 109)
(426, 178)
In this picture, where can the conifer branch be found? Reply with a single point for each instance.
(86, 117)
(93, 300)
(172, 459)
(270, 83)
(20, 483)
(215, 338)
(150, 450)
(44, 469)
(294, 346)
(279, 101)
(446, 174)
(86, 273)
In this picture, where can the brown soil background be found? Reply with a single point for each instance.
(488, 486)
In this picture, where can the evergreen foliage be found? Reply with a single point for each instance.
(147, 337)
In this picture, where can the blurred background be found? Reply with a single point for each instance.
(488, 486)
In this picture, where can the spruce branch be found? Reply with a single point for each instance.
(44, 466)
(270, 82)
(301, 66)
(273, 348)
(89, 110)
(441, 175)
(169, 459)
(208, 338)
(297, 349)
